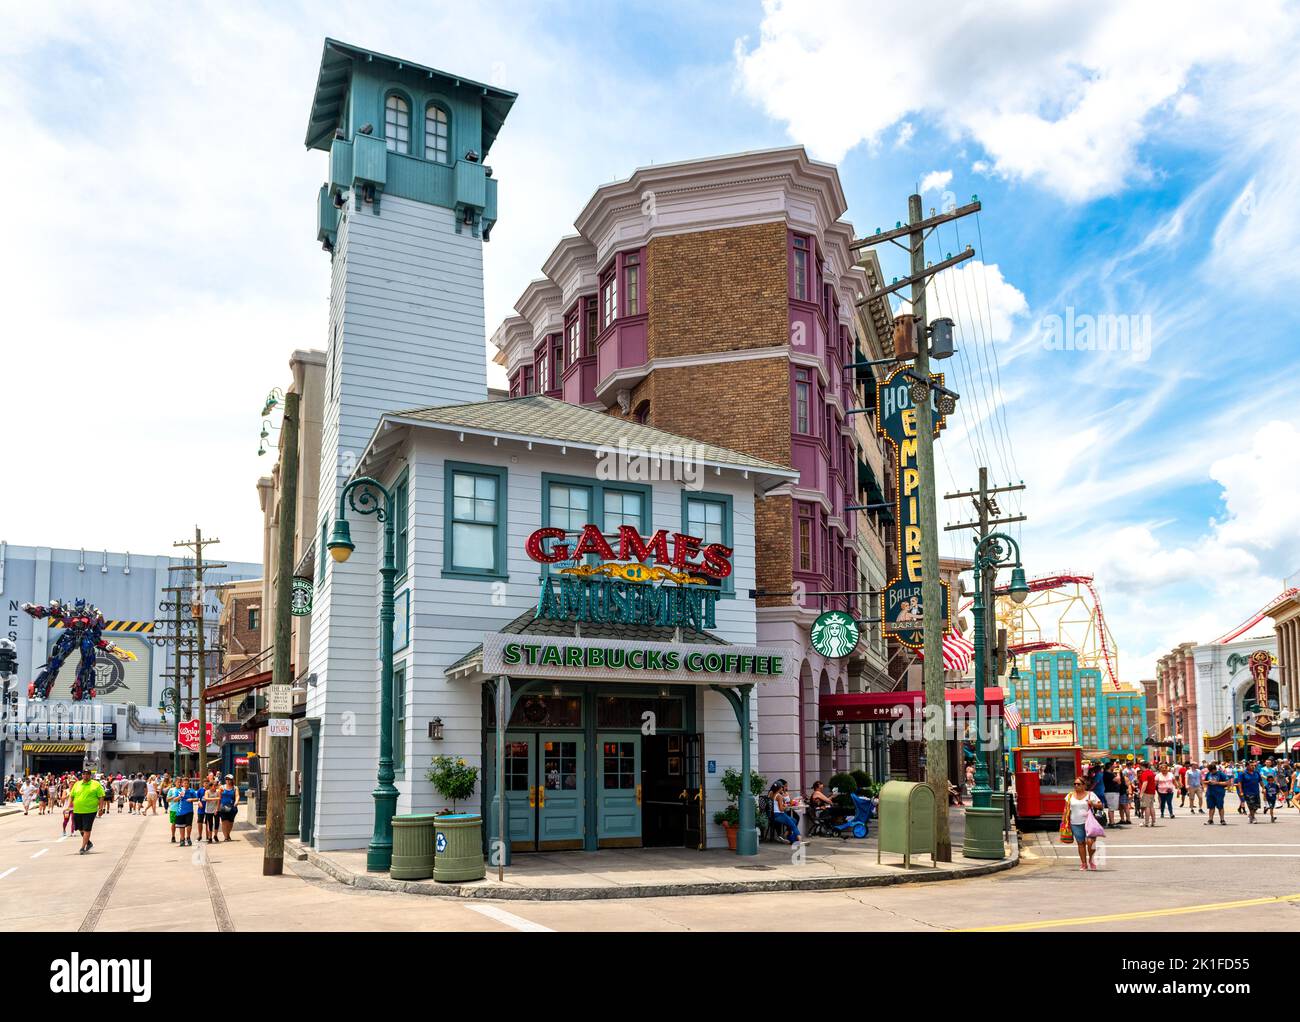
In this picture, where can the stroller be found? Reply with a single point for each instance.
(857, 825)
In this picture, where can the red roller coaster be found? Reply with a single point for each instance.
(1061, 612)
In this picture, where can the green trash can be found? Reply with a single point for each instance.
(292, 814)
(412, 847)
(458, 844)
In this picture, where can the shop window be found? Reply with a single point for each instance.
(608, 297)
(802, 401)
(800, 255)
(622, 507)
(560, 765)
(620, 765)
(399, 718)
(629, 711)
(397, 124)
(436, 133)
(518, 776)
(401, 522)
(707, 516)
(632, 283)
(543, 711)
(592, 328)
(324, 556)
(474, 520)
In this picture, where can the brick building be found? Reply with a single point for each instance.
(1177, 718)
(717, 299)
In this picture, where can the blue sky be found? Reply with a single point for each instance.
(1135, 160)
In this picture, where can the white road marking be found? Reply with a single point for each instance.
(7, 872)
(1231, 855)
(1224, 844)
(509, 918)
(40, 853)
(62, 839)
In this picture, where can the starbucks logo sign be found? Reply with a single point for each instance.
(835, 634)
(300, 597)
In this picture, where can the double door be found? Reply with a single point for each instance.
(545, 785)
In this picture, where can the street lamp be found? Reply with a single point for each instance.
(983, 822)
(363, 496)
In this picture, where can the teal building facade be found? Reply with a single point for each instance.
(1109, 722)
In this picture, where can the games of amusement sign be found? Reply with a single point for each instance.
(671, 580)
(900, 603)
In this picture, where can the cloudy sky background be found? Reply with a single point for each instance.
(1136, 160)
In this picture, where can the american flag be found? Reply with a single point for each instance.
(957, 652)
(1011, 715)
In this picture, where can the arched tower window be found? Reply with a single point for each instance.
(437, 142)
(397, 124)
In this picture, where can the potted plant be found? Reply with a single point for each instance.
(729, 819)
(452, 778)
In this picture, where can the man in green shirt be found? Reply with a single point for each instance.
(86, 794)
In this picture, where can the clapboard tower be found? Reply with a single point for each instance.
(403, 216)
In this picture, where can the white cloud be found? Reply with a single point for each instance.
(1062, 96)
(936, 181)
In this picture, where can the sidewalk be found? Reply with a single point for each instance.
(829, 864)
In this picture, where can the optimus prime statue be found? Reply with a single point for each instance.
(83, 624)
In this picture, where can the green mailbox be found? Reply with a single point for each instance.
(906, 820)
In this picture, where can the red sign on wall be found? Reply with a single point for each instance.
(189, 734)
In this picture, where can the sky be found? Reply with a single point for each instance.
(1132, 160)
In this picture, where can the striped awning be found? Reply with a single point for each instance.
(54, 747)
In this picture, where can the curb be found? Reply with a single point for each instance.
(484, 891)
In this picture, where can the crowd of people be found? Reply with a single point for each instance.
(1200, 787)
(205, 808)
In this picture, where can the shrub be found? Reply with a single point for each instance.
(452, 778)
(862, 779)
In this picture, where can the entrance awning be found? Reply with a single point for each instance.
(888, 706)
(641, 654)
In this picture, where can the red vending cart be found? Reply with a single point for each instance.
(1046, 763)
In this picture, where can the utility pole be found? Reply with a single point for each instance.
(924, 390)
(197, 570)
(278, 785)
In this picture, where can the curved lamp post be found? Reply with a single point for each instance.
(364, 496)
(983, 822)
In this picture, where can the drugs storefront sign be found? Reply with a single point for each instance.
(673, 590)
(901, 609)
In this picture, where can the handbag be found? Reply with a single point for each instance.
(1067, 835)
(1092, 826)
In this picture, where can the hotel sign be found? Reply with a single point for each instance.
(900, 604)
(1053, 735)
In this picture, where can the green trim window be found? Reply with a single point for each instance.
(437, 133)
(401, 521)
(254, 618)
(324, 549)
(569, 503)
(399, 718)
(474, 521)
(708, 516)
(397, 123)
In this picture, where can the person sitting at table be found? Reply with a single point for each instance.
(781, 813)
(817, 798)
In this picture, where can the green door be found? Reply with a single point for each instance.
(618, 790)
(520, 788)
(560, 806)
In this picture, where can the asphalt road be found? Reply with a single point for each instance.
(1178, 876)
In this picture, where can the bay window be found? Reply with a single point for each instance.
(801, 254)
(631, 282)
(802, 400)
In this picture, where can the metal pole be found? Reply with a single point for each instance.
(936, 745)
(379, 855)
(278, 785)
(176, 725)
(746, 839)
(203, 672)
(503, 719)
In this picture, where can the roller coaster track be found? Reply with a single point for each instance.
(1264, 611)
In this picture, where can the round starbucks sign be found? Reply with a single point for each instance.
(300, 597)
(835, 634)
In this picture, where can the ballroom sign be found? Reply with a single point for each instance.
(901, 609)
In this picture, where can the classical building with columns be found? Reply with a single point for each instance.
(1286, 631)
(1177, 718)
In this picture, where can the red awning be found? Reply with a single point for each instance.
(892, 705)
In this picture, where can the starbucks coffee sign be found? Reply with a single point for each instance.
(300, 596)
(835, 634)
